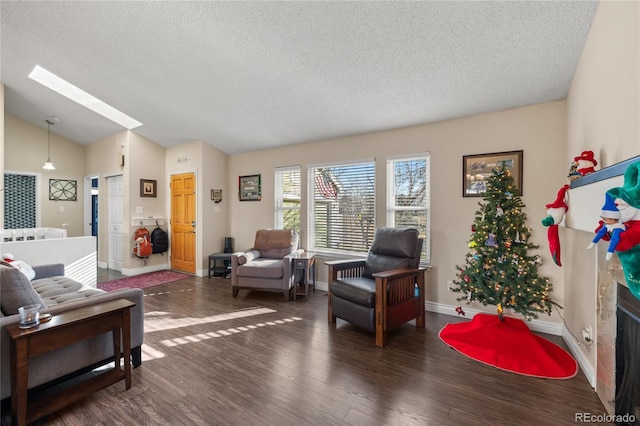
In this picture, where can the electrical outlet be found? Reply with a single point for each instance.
(586, 335)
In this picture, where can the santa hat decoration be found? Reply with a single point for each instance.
(556, 212)
(630, 191)
(587, 156)
(609, 210)
(559, 202)
(628, 248)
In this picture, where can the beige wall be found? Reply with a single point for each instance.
(2, 153)
(25, 151)
(603, 115)
(146, 160)
(101, 162)
(210, 166)
(214, 217)
(539, 130)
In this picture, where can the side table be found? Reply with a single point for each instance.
(219, 270)
(63, 330)
(305, 262)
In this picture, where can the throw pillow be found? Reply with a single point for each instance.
(25, 268)
(16, 291)
(248, 256)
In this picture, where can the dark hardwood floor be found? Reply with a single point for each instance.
(209, 359)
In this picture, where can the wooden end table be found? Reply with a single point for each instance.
(63, 330)
(305, 262)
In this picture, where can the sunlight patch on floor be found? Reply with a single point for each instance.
(159, 322)
(220, 333)
(167, 292)
(149, 353)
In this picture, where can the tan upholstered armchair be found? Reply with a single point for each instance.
(268, 265)
(385, 290)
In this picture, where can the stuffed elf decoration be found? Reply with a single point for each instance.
(610, 225)
(586, 163)
(556, 212)
(627, 199)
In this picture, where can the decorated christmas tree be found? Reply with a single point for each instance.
(499, 271)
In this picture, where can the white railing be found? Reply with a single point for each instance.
(28, 234)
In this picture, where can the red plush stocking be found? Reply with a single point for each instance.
(556, 212)
(554, 243)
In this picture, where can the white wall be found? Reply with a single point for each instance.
(603, 115)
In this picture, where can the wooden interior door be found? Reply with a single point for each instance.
(183, 222)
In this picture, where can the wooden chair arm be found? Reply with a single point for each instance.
(345, 264)
(398, 273)
(349, 268)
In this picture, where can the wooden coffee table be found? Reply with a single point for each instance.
(63, 330)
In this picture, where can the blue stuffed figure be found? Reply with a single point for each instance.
(612, 226)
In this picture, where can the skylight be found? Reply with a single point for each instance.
(57, 84)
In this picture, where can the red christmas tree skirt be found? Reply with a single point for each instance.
(509, 345)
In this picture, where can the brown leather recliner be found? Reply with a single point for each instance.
(383, 291)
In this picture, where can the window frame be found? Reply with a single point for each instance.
(279, 207)
(392, 208)
(311, 206)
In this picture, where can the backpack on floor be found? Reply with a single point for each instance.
(143, 247)
(159, 240)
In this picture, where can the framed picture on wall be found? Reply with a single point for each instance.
(63, 190)
(476, 169)
(249, 188)
(148, 188)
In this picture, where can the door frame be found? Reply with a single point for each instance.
(198, 269)
(86, 229)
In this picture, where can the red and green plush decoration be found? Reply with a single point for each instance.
(555, 214)
(627, 201)
(499, 271)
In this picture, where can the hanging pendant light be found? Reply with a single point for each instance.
(49, 165)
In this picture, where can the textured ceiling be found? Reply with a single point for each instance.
(243, 76)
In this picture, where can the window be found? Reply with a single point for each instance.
(287, 191)
(341, 207)
(20, 201)
(408, 197)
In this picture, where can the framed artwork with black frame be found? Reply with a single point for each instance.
(249, 188)
(476, 169)
(63, 190)
(148, 188)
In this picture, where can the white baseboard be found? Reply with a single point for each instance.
(583, 362)
(534, 325)
(144, 269)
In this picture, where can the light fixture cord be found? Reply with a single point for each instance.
(49, 123)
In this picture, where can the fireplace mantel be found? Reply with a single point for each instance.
(586, 195)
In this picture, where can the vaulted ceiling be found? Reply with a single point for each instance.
(244, 76)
